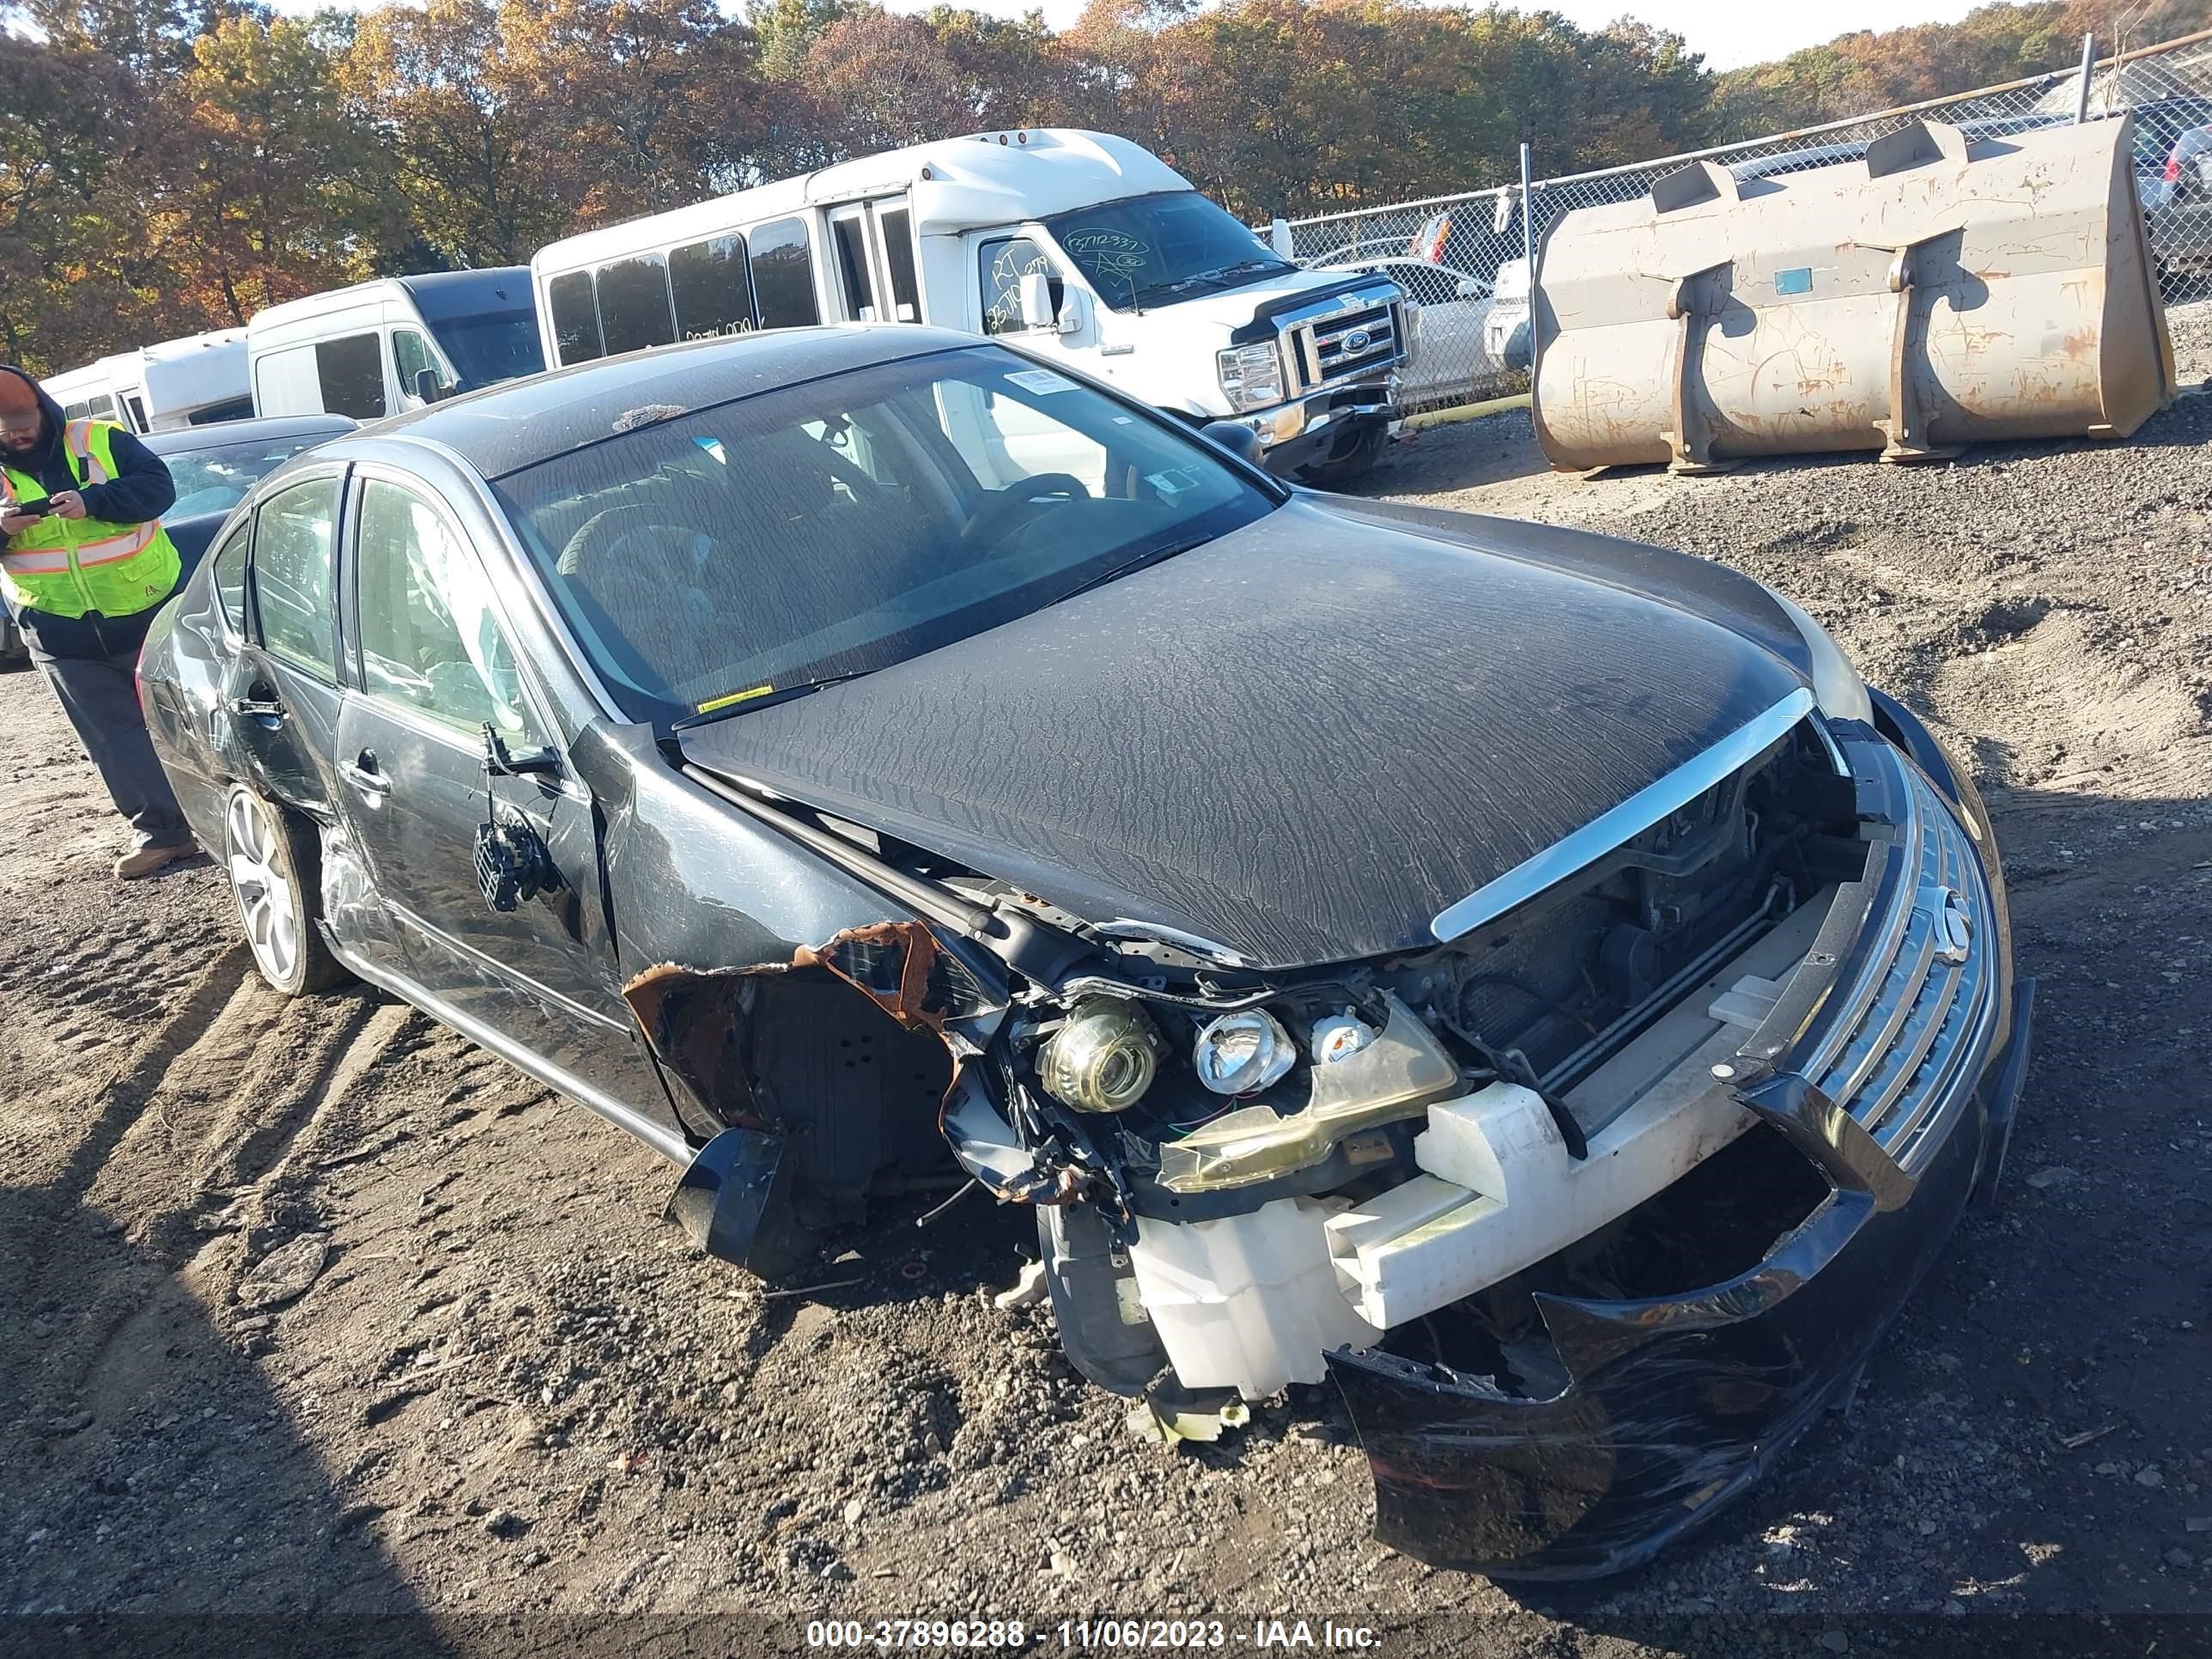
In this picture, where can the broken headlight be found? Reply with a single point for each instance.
(1244, 1053)
(1102, 1059)
(1395, 1075)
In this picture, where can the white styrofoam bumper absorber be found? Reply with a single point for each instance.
(1502, 1193)
(1249, 1302)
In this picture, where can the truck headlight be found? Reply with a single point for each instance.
(1251, 375)
(1836, 687)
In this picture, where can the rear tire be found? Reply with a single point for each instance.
(273, 864)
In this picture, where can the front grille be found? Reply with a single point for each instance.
(1922, 994)
(1330, 349)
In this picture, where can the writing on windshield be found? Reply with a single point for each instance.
(1159, 250)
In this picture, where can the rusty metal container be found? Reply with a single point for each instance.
(1933, 293)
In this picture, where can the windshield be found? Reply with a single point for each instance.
(715, 560)
(491, 346)
(214, 480)
(1156, 250)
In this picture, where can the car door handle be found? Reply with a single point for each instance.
(364, 775)
(257, 708)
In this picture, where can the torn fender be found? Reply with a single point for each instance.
(834, 1065)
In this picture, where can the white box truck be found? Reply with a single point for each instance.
(193, 381)
(1079, 249)
(395, 343)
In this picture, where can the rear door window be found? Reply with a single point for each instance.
(350, 371)
(783, 276)
(229, 564)
(634, 305)
(575, 318)
(713, 293)
(290, 576)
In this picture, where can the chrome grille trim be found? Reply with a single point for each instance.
(1312, 341)
(1889, 1048)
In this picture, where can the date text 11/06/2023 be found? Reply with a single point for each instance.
(1086, 1634)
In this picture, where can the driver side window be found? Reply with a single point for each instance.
(411, 352)
(428, 637)
(1003, 264)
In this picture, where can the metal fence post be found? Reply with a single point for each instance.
(2088, 67)
(1528, 254)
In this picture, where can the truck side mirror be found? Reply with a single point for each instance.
(1237, 438)
(1074, 307)
(425, 386)
(1037, 308)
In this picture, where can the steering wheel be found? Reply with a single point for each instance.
(997, 519)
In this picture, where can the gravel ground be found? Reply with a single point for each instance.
(313, 1310)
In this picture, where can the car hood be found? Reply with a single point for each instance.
(1301, 741)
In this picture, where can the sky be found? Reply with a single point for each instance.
(1729, 33)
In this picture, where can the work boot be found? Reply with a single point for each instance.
(133, 866)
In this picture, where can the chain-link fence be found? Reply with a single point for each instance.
(1447, 252)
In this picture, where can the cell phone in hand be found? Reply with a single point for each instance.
(32, 509)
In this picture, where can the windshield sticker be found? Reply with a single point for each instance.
(1041, 380)
(714, 447)
(1172, 482)
(734, 698)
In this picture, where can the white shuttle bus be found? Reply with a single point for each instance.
(1079, 249)
(194, 381)
(395, 343)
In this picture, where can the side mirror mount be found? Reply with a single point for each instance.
(1074, 307)
(500, 761)
(1037, 308)
(1235, 437)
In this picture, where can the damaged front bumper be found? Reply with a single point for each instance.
(1650, 1411)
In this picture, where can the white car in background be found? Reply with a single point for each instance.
(1450, 362)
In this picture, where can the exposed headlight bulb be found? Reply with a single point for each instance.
(1340, 1036)
(1244, 1053)
(1102, 1059)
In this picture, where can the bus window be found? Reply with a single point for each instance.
(895, 227)
(783, 276)
(575, 318)
(137, 411)
(851, 240)
(713, 295)
(634, 304)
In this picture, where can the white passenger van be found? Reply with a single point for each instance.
(193, 381)
(1081, 248)
(395, 343)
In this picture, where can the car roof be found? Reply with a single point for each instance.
(519, 423)
(185, 440)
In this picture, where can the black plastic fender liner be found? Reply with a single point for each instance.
(1093, 1297)
(734, 1201)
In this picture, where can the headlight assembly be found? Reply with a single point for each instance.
(1836, 687)
(1251, 376)
(1242, 1053)
(1102, 1059)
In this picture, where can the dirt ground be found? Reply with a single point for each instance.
(510, 1393)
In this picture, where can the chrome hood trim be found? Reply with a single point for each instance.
(1642, 810)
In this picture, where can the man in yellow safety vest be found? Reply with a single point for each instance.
(84, 566)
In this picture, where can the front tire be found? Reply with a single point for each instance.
(271, 861)
(1354, 463)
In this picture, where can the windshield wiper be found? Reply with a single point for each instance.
(1128, 565)
(743, 704)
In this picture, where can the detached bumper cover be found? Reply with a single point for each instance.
(1674, 1404)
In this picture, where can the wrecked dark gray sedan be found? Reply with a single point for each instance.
(1524, 977)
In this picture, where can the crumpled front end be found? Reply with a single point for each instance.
(1568, 1424)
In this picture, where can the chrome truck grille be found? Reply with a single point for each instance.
(1923, 994)
(1348, 337)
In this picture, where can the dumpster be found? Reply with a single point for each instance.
(1934, 292)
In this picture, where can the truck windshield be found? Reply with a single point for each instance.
(1157, 250)
(715, 560)
(491, 346)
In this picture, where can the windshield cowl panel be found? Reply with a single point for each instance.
(1147, 251)
(714, 561)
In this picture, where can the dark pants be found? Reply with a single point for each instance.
(100, 695)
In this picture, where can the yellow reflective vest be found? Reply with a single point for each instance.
(65, 566)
